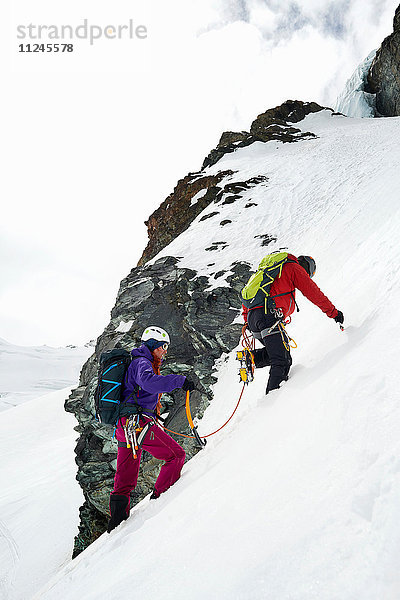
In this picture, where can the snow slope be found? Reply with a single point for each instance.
(27, 372)
(298, 497)
(39, 497)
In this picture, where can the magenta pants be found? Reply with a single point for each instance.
(160, 445)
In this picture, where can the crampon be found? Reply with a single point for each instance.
(246, 369)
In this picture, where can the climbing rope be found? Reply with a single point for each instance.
(248, 343)
(194, 428)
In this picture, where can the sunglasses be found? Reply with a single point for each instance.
(164, 346)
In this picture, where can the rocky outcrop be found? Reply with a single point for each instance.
(188, 199)
(274, 124)
(200, 322)
(384, 74)
(229, 142)
(291, 111)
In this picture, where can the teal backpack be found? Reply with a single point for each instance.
(256, 291)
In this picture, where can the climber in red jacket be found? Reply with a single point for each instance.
(296, 274)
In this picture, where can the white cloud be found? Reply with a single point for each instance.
(96, 140)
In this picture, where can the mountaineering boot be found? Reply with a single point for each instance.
(261, 358)
(272, 385)
(277, 374)
(154, 495)
(119, 510)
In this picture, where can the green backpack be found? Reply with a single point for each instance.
(256, 291)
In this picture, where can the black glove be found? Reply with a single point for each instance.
(188, 385)
(339, 317)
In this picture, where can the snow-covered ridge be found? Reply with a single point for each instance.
(27, 372)
(302, 184)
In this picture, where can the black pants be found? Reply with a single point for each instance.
(274, 352)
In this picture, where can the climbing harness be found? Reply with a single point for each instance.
(134, 433)
(280, 324)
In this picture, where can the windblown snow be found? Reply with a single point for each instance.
(298, 497)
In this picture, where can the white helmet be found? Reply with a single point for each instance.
(155, 333)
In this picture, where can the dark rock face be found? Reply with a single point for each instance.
(229, 142)
(176, 213)
(396, 20)
(384, 74)
(200, 323)
(271, 125)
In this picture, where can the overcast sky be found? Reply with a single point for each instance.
(95, 139)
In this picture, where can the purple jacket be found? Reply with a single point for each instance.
(140, 372)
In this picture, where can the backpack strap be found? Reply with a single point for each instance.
(289, 260)
(126, 410)
(286, 294)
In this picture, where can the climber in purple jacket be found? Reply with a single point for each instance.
(143, 386)
(144, 371)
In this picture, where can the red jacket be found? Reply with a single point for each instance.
(295, 277)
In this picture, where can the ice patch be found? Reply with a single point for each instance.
(354, 101)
